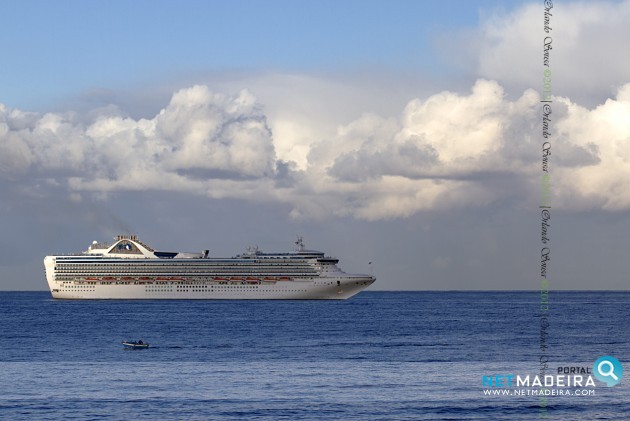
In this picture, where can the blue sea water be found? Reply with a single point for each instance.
(377, 356)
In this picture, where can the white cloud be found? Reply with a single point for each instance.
(197, 138)
(605, 182)
(588, 58)
(205, 131)
(448, 150)
(461, 129)
(452, 151)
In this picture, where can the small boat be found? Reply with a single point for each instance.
(135, 344)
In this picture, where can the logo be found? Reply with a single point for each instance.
(608, 370)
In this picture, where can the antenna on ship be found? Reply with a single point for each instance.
(299, 244)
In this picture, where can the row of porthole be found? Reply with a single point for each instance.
(220, 290)
(153, 266)
(198, 269)
(172, 271)
(224, 290)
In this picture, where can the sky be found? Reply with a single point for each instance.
(407, 134)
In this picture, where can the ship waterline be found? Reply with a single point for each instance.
(130, 269)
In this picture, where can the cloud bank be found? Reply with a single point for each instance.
(589, 40)
(199, 137)
(454, 149)
(448, 150)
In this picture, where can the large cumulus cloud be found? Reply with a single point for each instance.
(447, 150)
(455, 150)
(198, 141)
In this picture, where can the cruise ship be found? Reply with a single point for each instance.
(130, 269)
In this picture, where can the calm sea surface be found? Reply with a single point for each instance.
(379, 355)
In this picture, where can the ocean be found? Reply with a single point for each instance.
(376, 356)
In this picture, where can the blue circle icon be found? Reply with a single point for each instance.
(608, 370)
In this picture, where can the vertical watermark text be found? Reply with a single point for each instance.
(546, 196)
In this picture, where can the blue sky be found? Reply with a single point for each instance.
(55, 49)
(404, 133)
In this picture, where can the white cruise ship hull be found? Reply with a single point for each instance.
(131, 270)
(282, 290)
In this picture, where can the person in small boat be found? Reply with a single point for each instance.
(140, 342)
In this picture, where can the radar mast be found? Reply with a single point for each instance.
(299, 243)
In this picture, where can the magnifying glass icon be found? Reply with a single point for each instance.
(608, 373)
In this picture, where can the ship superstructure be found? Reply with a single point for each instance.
(130, 269)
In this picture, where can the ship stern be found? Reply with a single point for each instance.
(49, 267)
